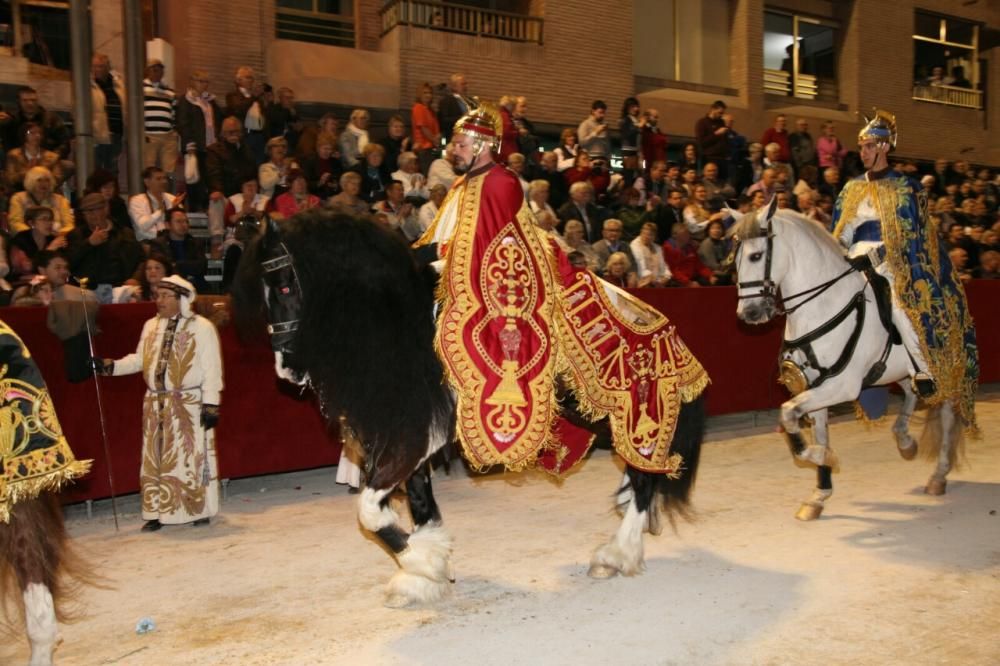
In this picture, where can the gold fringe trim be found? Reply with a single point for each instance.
(31, 488)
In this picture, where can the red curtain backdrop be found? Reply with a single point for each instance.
(270, 426)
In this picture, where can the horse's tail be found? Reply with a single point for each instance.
(933, 436)
(35, 548)
(247, 292)
(675, 493)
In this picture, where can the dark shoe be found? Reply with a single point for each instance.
(152, 525)
(353, 490)
(924, 385)
(201, 522)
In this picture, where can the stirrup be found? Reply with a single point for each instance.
(924, 385)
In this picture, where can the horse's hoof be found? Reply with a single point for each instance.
(909, 452)
(397, 601)
(936, 487)
(602, 571)
(809, 511)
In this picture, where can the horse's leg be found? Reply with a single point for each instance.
(424, 557)
(423, 507)
(950, 434)
(40, 623)
(623, 554)
(808, 402)
(905, 443)
(825, 460)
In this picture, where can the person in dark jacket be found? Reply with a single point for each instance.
(199, 121)
(229, 162)
(186, 251)
(97, 250)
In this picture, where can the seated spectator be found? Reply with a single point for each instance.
(297, 198)
(348, 201)
(538, 197)
(414, 183)
(400, 215)
(632, 213)
(808, 206)
(610, 243)
(650, 265)
(248, 202)
(807, 181)
(26, 245)
(767, 184)
(106, 184)
(186, 251)
(516, 163)
(55, 134)
(373, 175)
(689, 179)
(327, 124)
(430, 209)
(395, 143)
(229, 162)
(547, 223)
(567, 150)
(549, 172)
(689, 158)
(31, 154)
(714, 186)
(757, 200)
(714, 252)
(581, 207)
(36, 293)
(960, 259)
(831, 184)
(39, 190)
(426, 129)
(147, 277)
(618, 271)
(697, 215)
(354, 138)
(577, 260)
(106, 256)
(323, 168)
(148, 210)
(573, 235)
(784, 200)
(989, 266)
(665, 214)
(442, 171)
(681, 254)
(273, 174)
(581, 169)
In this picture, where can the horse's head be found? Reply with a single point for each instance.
(282, 302)
(758, 267)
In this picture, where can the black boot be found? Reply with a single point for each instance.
(201, 522)
(924, 385)
(152, 525)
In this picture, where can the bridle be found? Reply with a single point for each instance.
(283, 332)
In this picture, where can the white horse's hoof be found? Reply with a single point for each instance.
(407, 589)
(601, 571)
(936, 486)
(809, 511)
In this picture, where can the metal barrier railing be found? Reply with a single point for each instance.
(462, 19)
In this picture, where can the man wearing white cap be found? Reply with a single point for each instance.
(179, 357)
(158, 104)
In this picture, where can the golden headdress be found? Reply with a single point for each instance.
(881, 127)
(483, 124)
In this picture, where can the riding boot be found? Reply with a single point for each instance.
(923, 382)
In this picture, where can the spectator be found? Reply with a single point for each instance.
(229, 162)
(689, 158)
(322, 168)
(654, 141)
(442, 171)
(989, 266)
(611, 242)
(348, 201)
(283, 119)
(148, 210)
(784, 199)
(593, 131)
(400, 214)
(106, 184)
(631, 212)
(739, 151)
(453, 105)
(831, 184)
(158, 103)
(538, 198)
(247, 202)
(801, 146)
(414, 183)
(354, 139)
(426, 129)
(430, 209)
(395, 143)
(757, 166)
(650, 265)
(581, 207)
(39, 190)
(36, 292)
(549, 172)
(958, 79)
(697, 216)
(55, 134)
(106, 256)
(652, 185)
(715, 187)
(53, 266)
(147, 277)
(807, 181)
(273, 174)
(689, 178)
(808, 206)
(828, 148)
(26, 245)
(712, 134)
(199, 118)
(713, 252)
(186, 251)
(779, 135)
(766, 185)
(108, 112)
(327, 124)
(567, 149)
(630, 129)
(374, 177)
(508, 136)
(573, 234)
(960, 259)
(665, 215)
(527, 142)
(30, 154)
(618, 271)
(681, 254)
(297, 198)
(246, 103)
(516, 163)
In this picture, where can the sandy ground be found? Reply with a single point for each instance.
(285, 576)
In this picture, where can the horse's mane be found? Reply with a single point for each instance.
(750, 227)
(366, 337)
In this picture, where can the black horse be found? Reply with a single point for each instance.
(350, 314)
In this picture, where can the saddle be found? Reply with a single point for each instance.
(883, 301)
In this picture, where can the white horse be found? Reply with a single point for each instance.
(835, 342)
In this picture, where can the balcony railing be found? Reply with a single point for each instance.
(950, 95)
(315, 27)
(461, 19)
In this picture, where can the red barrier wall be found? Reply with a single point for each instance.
(267, 426)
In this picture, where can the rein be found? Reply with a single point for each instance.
(276, 264)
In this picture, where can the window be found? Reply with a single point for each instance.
(678, 40)
(799, 56)
(329, 22)
(36, 30)
(946, 66)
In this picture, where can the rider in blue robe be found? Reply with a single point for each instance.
(883, 214)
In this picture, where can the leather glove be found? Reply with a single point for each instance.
(102, 366)
(209, 416)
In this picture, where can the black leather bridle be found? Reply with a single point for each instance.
(286, 286)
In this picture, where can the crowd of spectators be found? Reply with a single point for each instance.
(658, 220)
